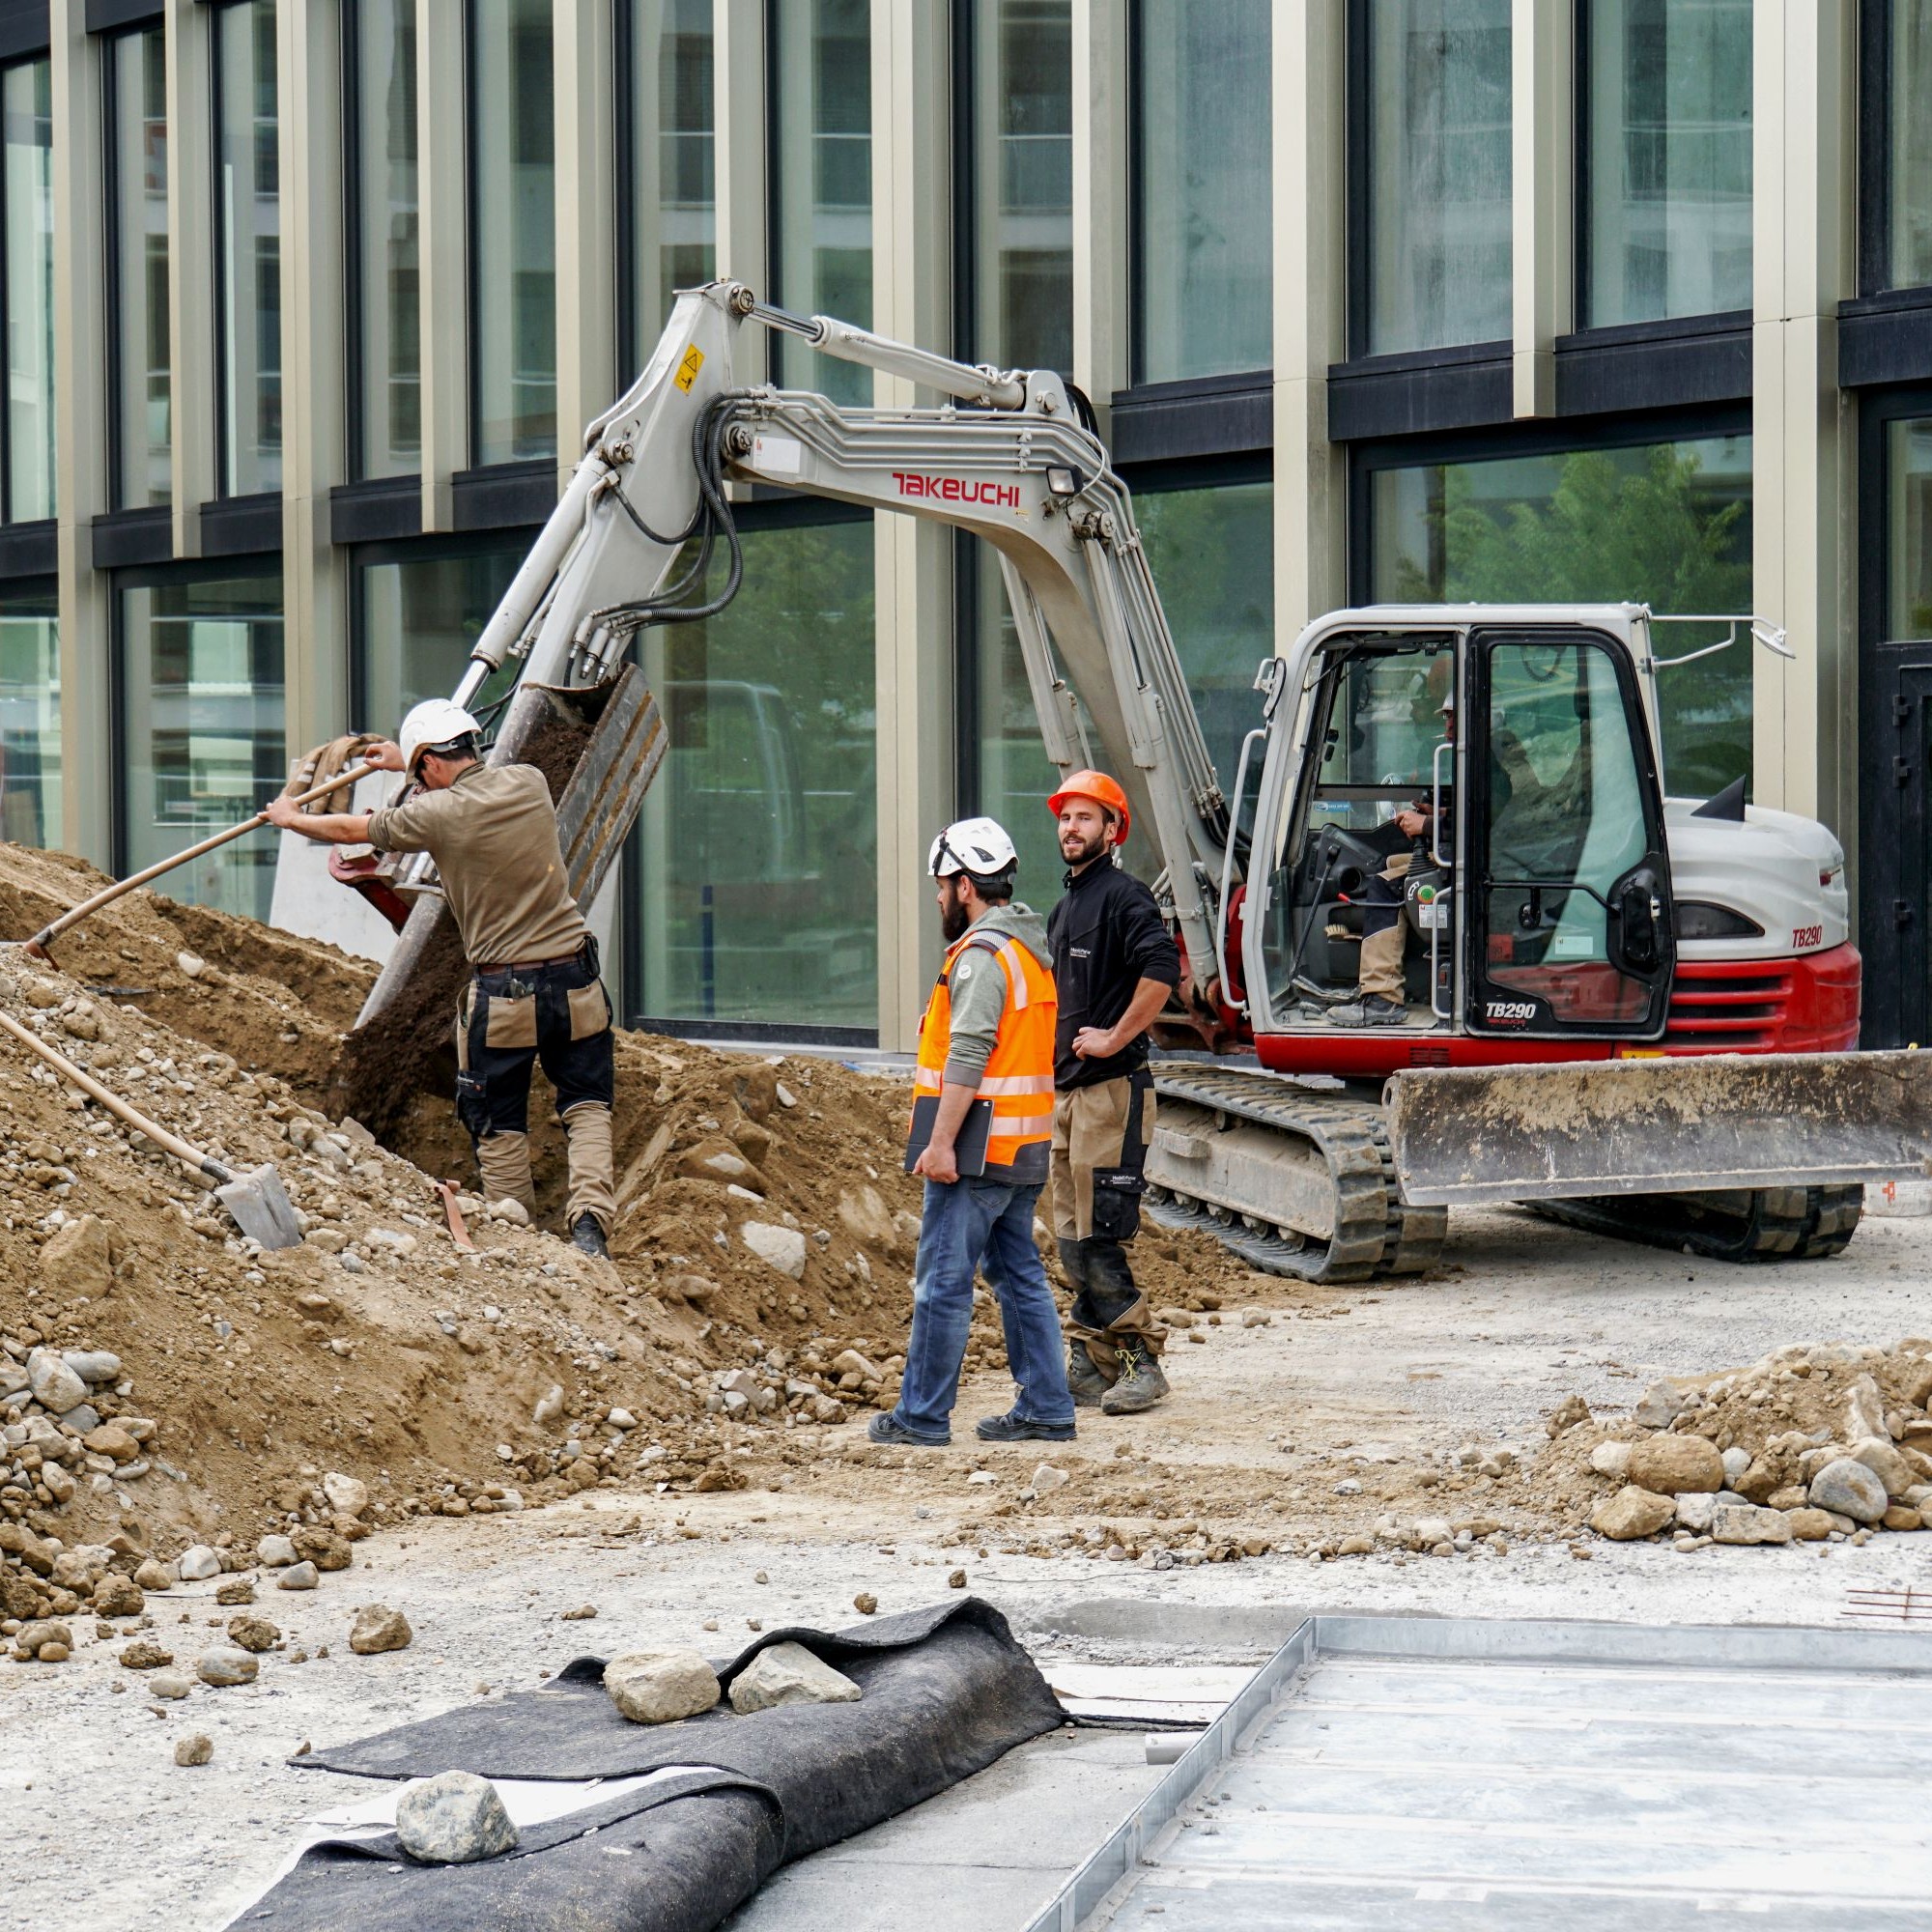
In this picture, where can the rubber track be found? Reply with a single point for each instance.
(1374, 1232)
(1785, 1224)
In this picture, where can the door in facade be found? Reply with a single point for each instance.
(1895, 897)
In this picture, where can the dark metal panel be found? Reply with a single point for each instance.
(29, 549)
(1601, 372)
(25, 29)
(1874, 192)
(1161, 421)
(503, 493)
(1409, 395)
(242, 525)
(124, 537)
(110, 16)
(378, 511)
(1886, 339)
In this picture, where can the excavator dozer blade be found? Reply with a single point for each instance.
(600, 746)
(1681, 1124)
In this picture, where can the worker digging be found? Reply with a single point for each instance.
(534, 991)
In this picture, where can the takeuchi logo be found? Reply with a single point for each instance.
(956, 489)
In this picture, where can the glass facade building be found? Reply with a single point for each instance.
(1371, 298)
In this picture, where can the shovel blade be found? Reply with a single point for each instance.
(260, 1208)
(1466, 1136)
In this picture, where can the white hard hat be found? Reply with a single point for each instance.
(436, 720)
(976, 845)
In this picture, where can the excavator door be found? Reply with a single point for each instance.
(1569, 927)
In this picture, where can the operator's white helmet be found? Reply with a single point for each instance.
(436, 720)
(976, 845)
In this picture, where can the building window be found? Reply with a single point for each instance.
(821, 147)
(1203, 189)
(141, 395)
(199, 702)
(30, 711)
(384, 324)
(1908, 174)
(512, 231)
(1018, 110)
(1665, 523)
(667, 175)
(26, 207)
(420, 610)
(758, 840)
(248, 247)
(1908, 497)
(1667, 159)
(1435, 213)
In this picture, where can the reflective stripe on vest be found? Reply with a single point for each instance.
(1018, 1077)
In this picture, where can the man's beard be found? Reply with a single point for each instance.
(1083, 854)
(953, 919)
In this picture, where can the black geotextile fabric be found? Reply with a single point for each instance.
(947, 1691)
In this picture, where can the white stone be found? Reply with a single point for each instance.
(506, 1210)
(274, 1552)
(787, 1673)
(781, 1248)
(190, 965)
(197, 1563)
(659, 1686)
(1611, 1460)
(1736, 1462)
(453, 1819)
(1865, 1413)
(1695, 1512)
(1047, 1477)
(54, 1384)
(1741, 1522)
(348, 1496)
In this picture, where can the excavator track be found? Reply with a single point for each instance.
(1765, 1224)
(1371, 1230)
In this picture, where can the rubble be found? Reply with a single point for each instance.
(376, 1629)
(453, 1818)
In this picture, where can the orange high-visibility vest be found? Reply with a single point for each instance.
(1018, 1079)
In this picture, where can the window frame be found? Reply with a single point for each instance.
(112, 290)
(8, 520)
(1874, 138)
(354, 428)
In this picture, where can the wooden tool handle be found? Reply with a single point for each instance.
(351, 774)
(181, 1149)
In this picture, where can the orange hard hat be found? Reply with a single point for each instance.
(1103, 790)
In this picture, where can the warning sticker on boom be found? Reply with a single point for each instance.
(686, 370)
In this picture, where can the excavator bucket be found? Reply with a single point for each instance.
(1677, 1125)
(600, 746)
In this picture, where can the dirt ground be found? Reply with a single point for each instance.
(559, 1457)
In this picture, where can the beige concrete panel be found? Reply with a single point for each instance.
(738, 63)
(190, 29)
(914, 652)
(314, 320)
(81, 430)
(1543, 142)
(1101, 240)
(1310, 83)
(586, 233)
(441, 255)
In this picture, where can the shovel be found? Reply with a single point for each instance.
(257, 1200)
(37, 947)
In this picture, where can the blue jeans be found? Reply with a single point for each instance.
(967, 1225)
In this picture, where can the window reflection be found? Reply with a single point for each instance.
(1909, 546)
(26, 104)
(30, 734)
(671, 170)
(389, 400)
(137, 121)
(418, 618)
(248, 175)
(1911, 144)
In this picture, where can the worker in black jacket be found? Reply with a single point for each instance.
(1115, 964)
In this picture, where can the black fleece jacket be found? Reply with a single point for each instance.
(1107, 936)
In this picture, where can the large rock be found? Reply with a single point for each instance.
(1885, 1464)
(274, 1552)
(347, 1493)
(1611, 1459)
(324, 1548)
(1695, 1510)
(865, 1215)
(781, 1248)
(377, 1628)
(155, 1575)
(1809, 1525)
(225, 1665)
(1847, 1488)
(55, 1386)
(197, 1563)
(256, 1633)
(1661, 1405)
(453, 1819)
(79, 1260)
(659, 1686)
(1670, 1466)
(1865, 1413)
(94, 1366)
(787, 1673)
(1747, 1523)
(1632, 1513)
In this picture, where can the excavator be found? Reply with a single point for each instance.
(1632, 1013)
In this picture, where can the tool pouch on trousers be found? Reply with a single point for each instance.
(1117, 1203)
(470, 1108)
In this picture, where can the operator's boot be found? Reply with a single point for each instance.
(1086, 1377)
(1371, 1011)
(587, 1237)
(1141, 1383)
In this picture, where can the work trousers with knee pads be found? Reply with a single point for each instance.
(1100, 1136)
(506, 1022)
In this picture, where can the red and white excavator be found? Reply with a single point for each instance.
(1638, 1013)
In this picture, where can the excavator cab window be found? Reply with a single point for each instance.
(1369, 832)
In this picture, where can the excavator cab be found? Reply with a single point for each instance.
(1472, 832)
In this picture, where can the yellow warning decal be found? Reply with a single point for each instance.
(1641, 1053)
(686, 370)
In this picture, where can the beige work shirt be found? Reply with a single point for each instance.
(492, 835)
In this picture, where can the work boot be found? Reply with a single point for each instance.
(1374, 1010)
(1085, 1377)
(588, 1235)
(1013, 1427)
(1140, 1384)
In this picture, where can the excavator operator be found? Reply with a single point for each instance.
(1115, 964)
(535, 990)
